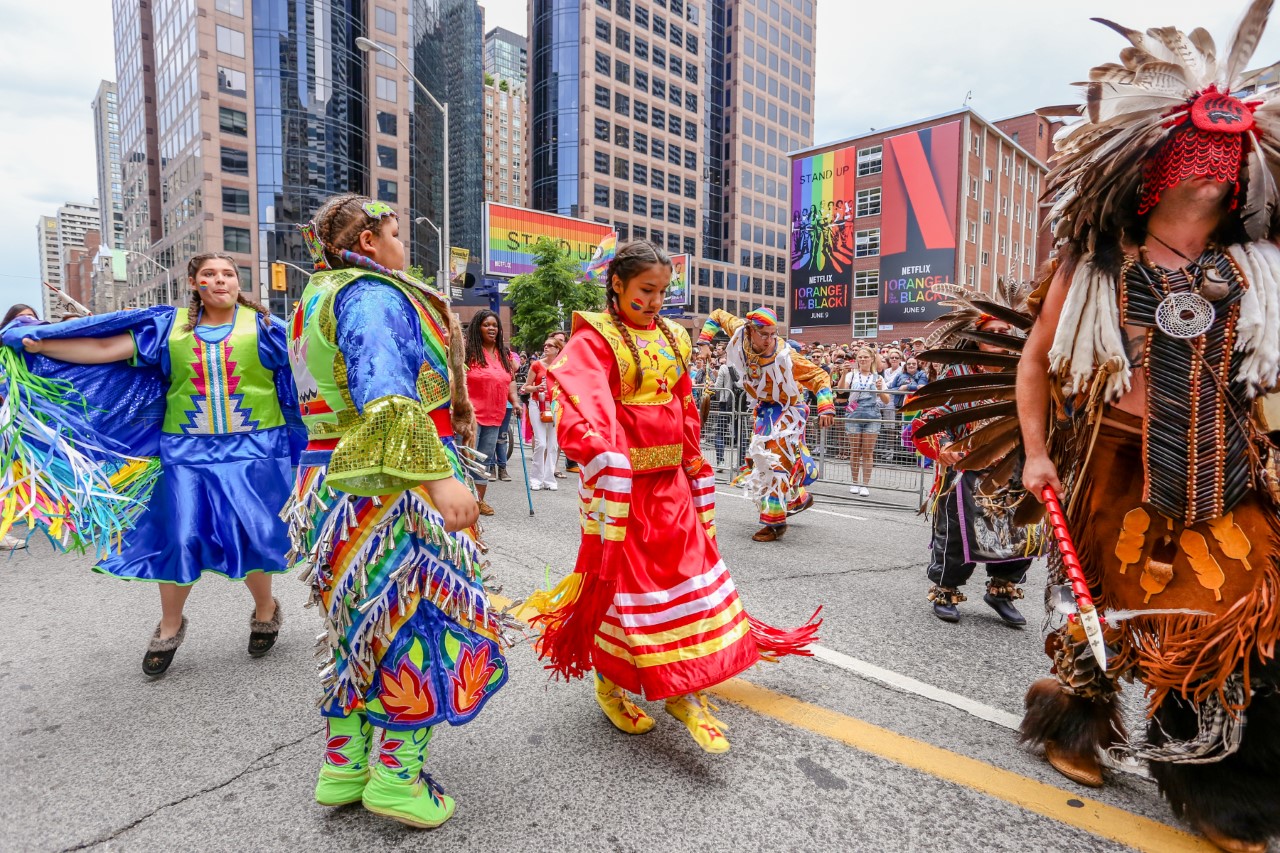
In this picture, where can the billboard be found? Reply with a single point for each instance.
(918, 224)
(511, 233)
(677, 295)
(822, 209)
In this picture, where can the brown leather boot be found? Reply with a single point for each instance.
(1231, 845)
(769, 534)
(1084, 769)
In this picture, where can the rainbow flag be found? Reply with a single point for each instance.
(600, 261)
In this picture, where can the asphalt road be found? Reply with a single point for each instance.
(221, 753)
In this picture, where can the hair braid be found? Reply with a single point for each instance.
(630, 341)
(669, 334)
(193, 311)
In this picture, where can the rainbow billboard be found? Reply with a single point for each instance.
(822, 213)
(512, 232)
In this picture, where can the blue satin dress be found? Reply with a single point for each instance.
(224, 481)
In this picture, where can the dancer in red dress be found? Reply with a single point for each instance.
(651, 606)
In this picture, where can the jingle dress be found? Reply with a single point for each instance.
(779, 466)
(651, 604)
(217, 406)
(410, 637)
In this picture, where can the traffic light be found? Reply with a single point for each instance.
(277, 277)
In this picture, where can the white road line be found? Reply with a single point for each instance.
(919, 688)
(810, 509)
(972, 707)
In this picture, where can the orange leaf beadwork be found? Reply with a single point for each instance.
(405, 696)
(470, 677)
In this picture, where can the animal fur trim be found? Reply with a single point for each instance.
(272, 625)
(168, 644)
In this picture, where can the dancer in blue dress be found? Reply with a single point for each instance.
(208, 391)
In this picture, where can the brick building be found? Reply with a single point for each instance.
(878, 217)
(506, 145)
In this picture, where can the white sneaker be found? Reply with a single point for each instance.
(535, 486)
(863, 492)
(853, 490)
(552, 486)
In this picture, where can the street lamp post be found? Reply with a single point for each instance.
(367, 45)
(440, 242)
(168, 273)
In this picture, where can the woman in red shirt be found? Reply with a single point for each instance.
(490, 385)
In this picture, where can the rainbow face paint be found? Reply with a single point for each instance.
(636, 306)
(204, 285)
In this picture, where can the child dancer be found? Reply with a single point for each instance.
(650, 605)
(209, 391)
(381, 516)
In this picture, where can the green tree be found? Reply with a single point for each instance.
(504, 86)
(543, 301)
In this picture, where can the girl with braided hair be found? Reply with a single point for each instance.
(382, 518)
(650, 606)
(208, 390)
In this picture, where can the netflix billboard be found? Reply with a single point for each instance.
(919, 223)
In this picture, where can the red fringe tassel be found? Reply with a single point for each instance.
(775, 643)
(569, 632)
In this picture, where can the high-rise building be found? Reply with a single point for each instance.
(672, 120)
(505, 144)
(57, 237)
(212, 163)
(878, 218)
(506, 56)
(106, 138)
(446, 41)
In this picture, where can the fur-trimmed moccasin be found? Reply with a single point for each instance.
(160, 652)
(262, 635)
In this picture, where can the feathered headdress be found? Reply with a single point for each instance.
(1169, 97)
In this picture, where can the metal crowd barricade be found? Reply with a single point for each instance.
(895, 467)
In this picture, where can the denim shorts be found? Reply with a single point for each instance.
(487, 444)
(864, 419)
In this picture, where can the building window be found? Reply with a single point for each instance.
(691, 159)
(973, 188)
(870, 160)
(657, 209)
(640, 174)
(235, 161)
(987, 173)
(642, 81)
(602, 162)
(235, 239)
(233, 121)
(602, 130)
(385, 88)
(868, 203)
(621, 167)
(866, 324)
(639, 206)
(986, 259)
(641, 112)
(621, 201)
(602, 96)
(231, 7)
(642, 51)
(621, 104)
(385, 20)
(673, 214)
(673, 184)
(231, 81)
(387, 123)
(866, 244)
(866, 283)
(388, 157)
(601, 195)
(388, 190)
(690, 246)
(230, 42)
(622, 40)
(986, 216)
(622, 72)
(973, 276)
(690, 188)
(235, 200)
(603, 65)
(621, 136)
(602, 29)
(973, 231)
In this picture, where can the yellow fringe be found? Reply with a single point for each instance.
(563, 595)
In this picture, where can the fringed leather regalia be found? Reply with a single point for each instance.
(966, 410)
(778, 467)
(1176, 527)
(410, 639)
(651, 605)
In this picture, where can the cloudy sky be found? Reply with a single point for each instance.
(878, 68)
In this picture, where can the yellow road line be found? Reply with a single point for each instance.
(1092, 816)
(1037, 797)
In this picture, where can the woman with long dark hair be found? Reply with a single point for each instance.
(16, 310)
(491, 385)
(208, 390)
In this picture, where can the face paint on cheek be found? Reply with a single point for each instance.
(636, 305)
(204, 285)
